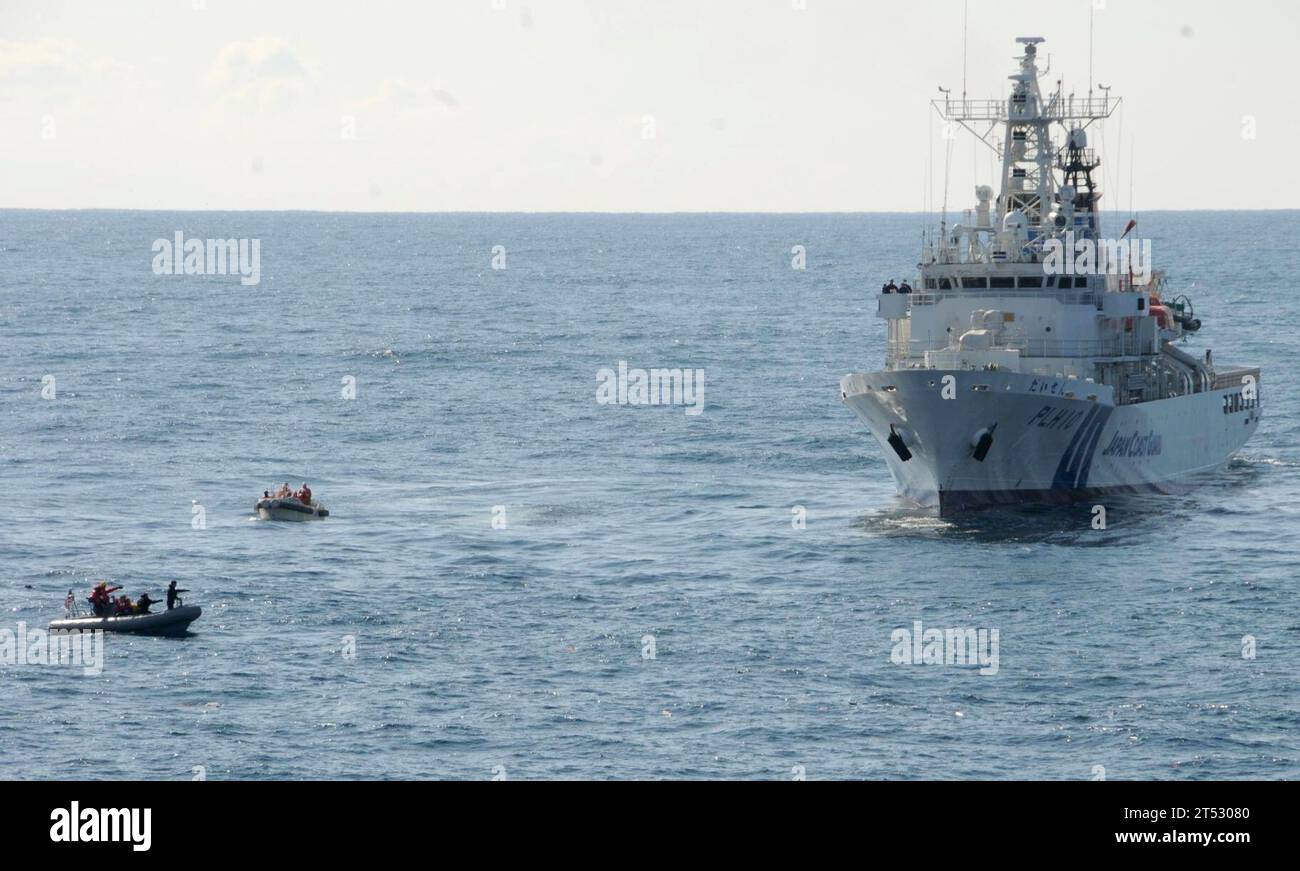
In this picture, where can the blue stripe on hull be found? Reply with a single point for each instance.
(1076, 462)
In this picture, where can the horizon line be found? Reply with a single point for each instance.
(632, 212)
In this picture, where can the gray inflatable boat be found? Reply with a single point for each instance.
(289, 509)
(173, 622)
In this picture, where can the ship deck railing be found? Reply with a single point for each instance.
(1134, 283)
(1087, 158)
(1067, 297)
(1125, 345)
(1055, 108)
(1236, 377)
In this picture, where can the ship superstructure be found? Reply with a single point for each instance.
(1031, 361)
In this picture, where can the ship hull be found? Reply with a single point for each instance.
(1047, 440)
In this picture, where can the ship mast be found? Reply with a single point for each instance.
(1030, 205)
(1027, 183)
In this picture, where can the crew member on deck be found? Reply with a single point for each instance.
(905, 287)
(891, 287)
(172, 598)
(100, 599)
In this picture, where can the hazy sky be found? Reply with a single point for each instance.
(614, 105)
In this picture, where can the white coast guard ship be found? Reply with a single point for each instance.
(1010, 380)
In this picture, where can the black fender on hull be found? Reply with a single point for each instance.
(900, 447)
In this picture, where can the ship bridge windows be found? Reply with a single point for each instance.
(1002, 282)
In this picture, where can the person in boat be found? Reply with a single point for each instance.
(142, 604)
(905, 287)
(266, 494)
(284, 492)
(123, 606)
(172, 598)
(891, 287)
(304, 495)
(101, 599)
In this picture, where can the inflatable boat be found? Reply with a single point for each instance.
(289, 509)
(173, 622)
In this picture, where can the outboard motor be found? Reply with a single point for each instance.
(900, 447)
(982, 441)
(1185, 314)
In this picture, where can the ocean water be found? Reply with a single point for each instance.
(408, 636)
